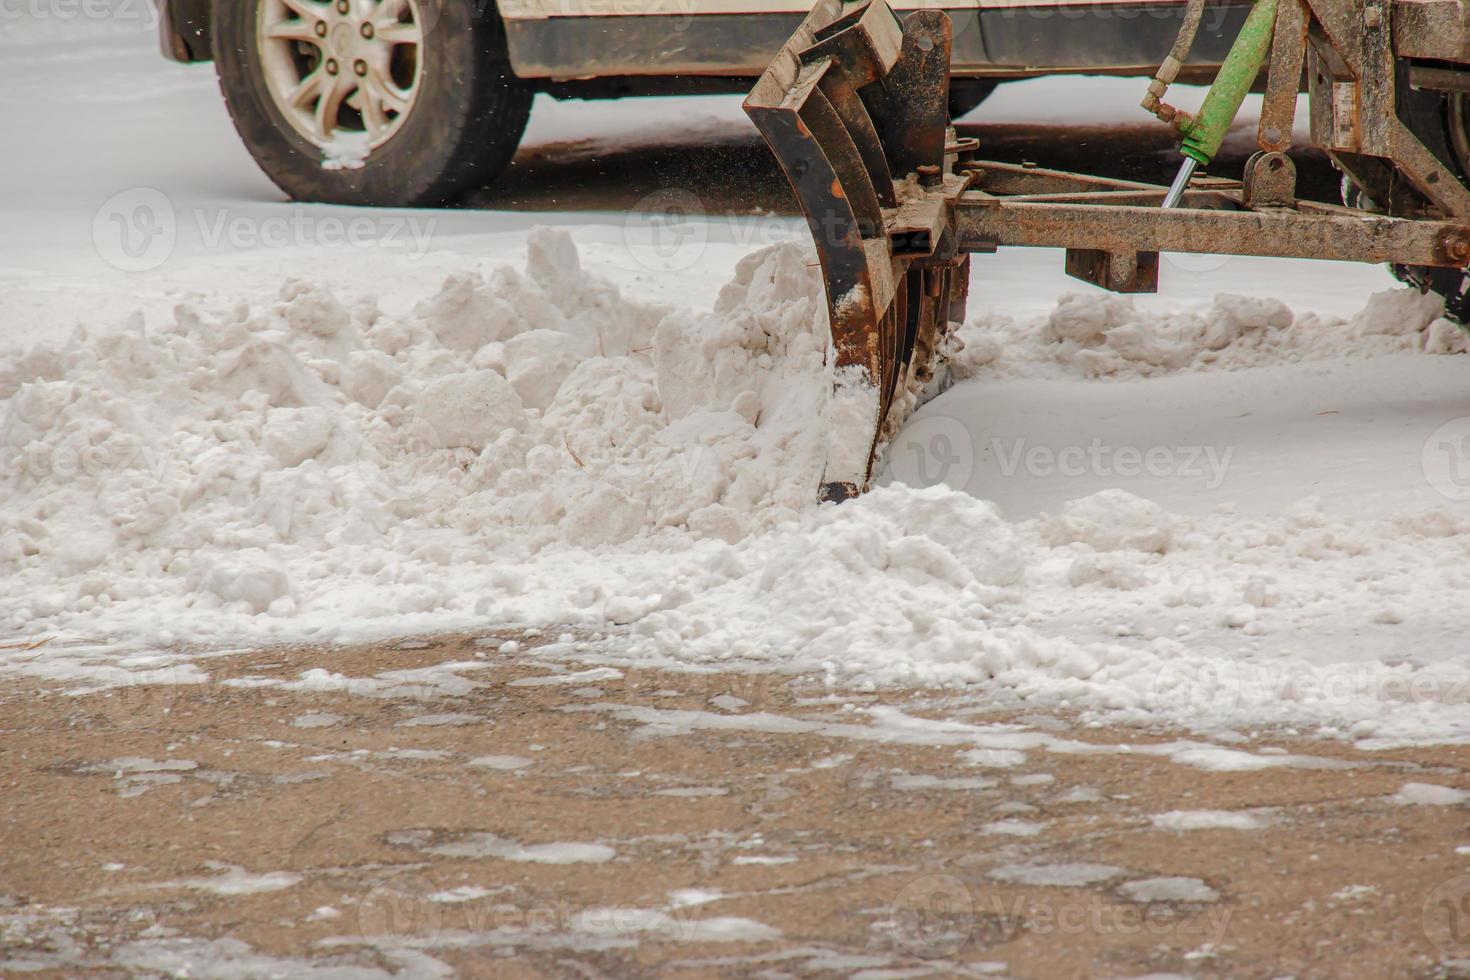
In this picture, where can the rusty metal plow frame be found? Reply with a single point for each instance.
(848, 102)
(854, 107)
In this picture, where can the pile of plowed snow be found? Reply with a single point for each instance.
(202, 461)
(1098, 335)
(535, 449)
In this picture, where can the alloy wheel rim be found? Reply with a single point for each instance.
(342, 70)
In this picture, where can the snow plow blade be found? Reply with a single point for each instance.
(855, 108)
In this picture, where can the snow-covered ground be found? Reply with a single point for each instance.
(228, 419)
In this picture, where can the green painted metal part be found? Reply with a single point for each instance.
(1204, 132)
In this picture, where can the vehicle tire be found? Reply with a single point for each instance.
(966, 94)
(1442, 123)
(406, 103)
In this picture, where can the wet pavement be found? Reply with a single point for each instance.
(458, 806)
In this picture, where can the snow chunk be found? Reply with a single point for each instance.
(294, 435)
(139, 764)
(622, 922)
(994, 758)
(1112, 520)
(1446, 337)
(311, 309)
(1104, 336)
(237, 881)
(925, 781)
(1397, 311)
(369, 375)
(464, 893)
(1429, 794)
(441, 720)
(1074, 875)
(250, 576)
(469, 409)
(475, 845)
(502, 762)
(1168, 890)
(537, 362)
(469, 313)
(317, 719)
(1206, 820)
